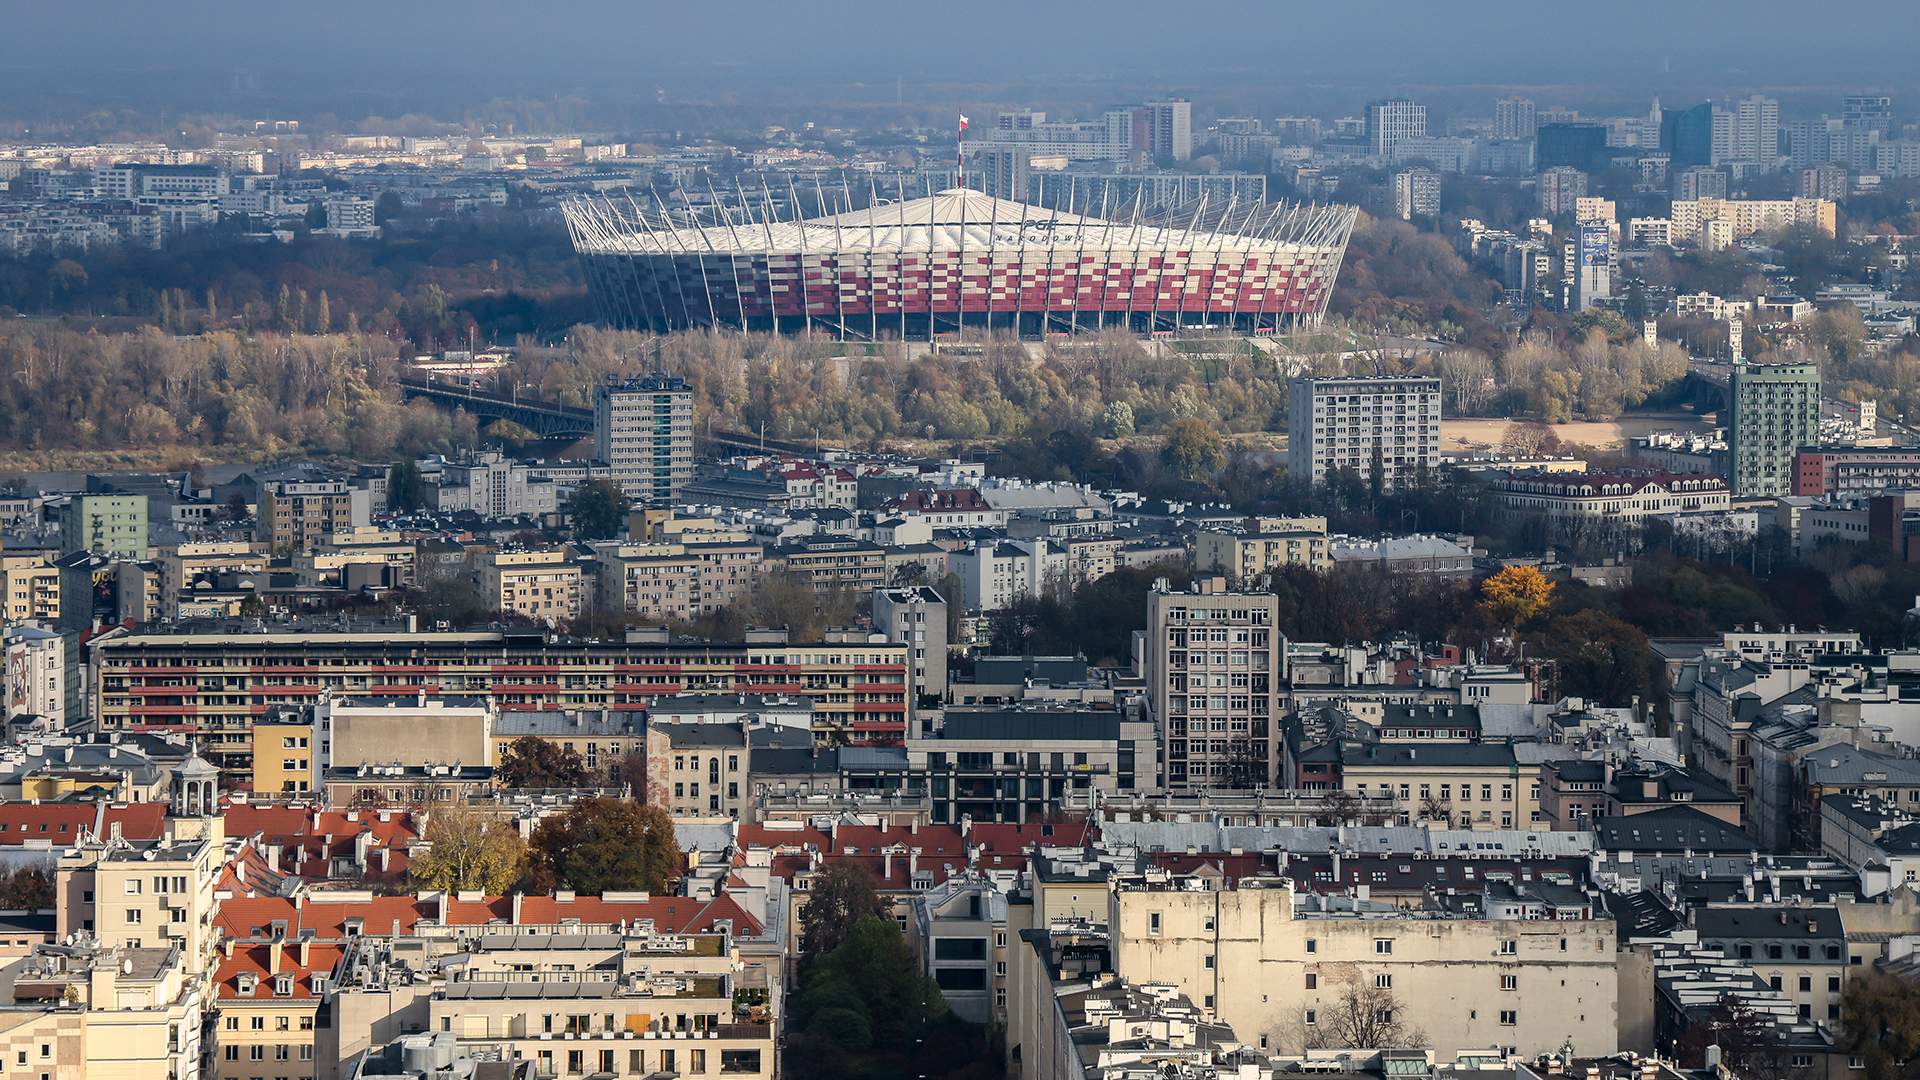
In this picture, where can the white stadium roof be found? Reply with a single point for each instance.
(954, 219)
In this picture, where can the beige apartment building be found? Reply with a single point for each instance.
(1274, 973)
(542, 585)
(29, 588)
(576, 1004)
(266, 997)
(1267, 545)
(297, 516)
(181, 563)
(1215, 663)
(143, 896)
(94, 1012)
(678, 580)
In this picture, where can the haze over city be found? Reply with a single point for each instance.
(1066, 541)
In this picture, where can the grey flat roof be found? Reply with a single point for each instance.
(1014, 725)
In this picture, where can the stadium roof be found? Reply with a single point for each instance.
(954, 219)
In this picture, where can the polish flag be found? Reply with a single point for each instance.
(963, 121)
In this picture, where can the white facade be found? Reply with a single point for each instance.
(1359, 423)
(36, 675)
(995, 574)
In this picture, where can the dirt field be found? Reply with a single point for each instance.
(1486, 434)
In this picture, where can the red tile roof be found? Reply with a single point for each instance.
(62, 823)
(254, 916)
(308, 840)
(253, 959)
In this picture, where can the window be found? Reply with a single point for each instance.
(1509, 948)
(1313, 945)
(1383, 981)
(1153, 922)
(1310, 1018)
(1509, 1017)
(1509, 982)
(1313, 981)
(1381, 946)
(1208, 964)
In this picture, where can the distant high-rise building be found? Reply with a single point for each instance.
(643, 430)
(1776, 411)
(1592, 265)
(1515, 118)
(1687, 136)
(1377, 428)
(1169, 129)
(1869, 112)
(1580, 145)
(1822, 182)
(1561, 189)
(999, 170)
(1416, 193)
(1756, 130)
(1390, 121)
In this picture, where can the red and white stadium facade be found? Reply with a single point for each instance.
(921, 268)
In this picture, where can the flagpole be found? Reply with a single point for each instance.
(960, 151)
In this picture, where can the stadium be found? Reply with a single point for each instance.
(923, 268)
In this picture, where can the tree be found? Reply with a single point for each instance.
(406, 490)
(1362, 1015)
(467, 852)
(533, 762)
(840, 895)
(598, 509)
(1880, 1024)
(1516, 595)
(1193, 450)
(1748, 1044)
(1597, 657)
(630, 772)
(605, 845)
(28, 888)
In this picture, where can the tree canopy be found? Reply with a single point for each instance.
(605, 845)
(468, 852)
(839, 896)
(532, 762)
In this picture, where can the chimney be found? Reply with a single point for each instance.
(517, 897)
(306, 951)
(886, 865)
(913, 862)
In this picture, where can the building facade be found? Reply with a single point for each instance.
(1382, 429)
(643, 430)
(1215, 663)
(1776, 412)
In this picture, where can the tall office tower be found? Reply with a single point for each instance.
(1756, 129)
(1810, 142)
(1169, 129)
(1387, 428)
(1515, 118)
(1870, 112)
(1776, 411)
(1215, 662)
(1416, 193)
(999, 170)
(1593, 266)
(1687, 135)
(643, 430)
(1561, 188)
(1388, 122)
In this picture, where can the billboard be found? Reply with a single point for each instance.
(1596, 245)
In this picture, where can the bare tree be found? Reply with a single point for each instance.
(1361, 1015)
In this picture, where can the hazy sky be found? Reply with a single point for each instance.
(704, 47)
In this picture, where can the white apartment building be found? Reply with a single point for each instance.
(35, 675)
(1379, 428)
(643, 430)
(1388, 122)
(993, 574)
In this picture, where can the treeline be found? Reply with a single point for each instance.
(250, 394)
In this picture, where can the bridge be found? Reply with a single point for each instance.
(550, 419)
(547, 419)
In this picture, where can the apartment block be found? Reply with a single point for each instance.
(916, 616)
(1275, 966)
(545, 586)
(110, 525)
(678, 580)
(1383, 430)
(698, 770)
(1268, 545)
(29, 588)
(181, 565)
(1775, 413)
(295, 516)
(1215, 663)
(217, 685)
(643, 431)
